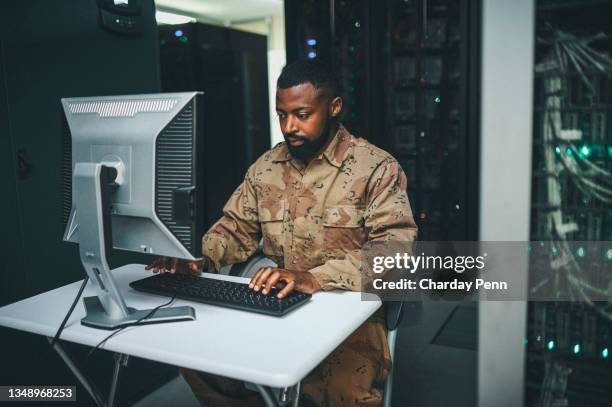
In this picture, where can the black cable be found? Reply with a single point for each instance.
(63, 324)
(75, 302)
(138, 322)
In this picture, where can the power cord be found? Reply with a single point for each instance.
(138, 322)
(63, 324)
(56, 338)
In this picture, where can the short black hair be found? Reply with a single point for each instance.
(313, 71)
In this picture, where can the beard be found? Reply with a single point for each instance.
(309, 148)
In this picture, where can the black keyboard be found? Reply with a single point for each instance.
(227, 294)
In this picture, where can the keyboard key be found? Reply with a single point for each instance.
(220, 292)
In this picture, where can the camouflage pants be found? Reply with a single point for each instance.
(345, 378)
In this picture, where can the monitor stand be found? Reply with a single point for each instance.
(107, 310)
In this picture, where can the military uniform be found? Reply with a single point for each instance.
(316, 218)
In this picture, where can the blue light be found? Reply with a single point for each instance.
(178, 33)
(311, 41)
(312, 54)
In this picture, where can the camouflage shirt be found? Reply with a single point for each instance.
(316, 217)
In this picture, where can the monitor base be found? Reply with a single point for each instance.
(96, 316)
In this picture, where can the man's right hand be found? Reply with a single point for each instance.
(173, 265)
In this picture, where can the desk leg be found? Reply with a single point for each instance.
(267, 395)
(120, 361)
(270, 399)
(296, 395)
(87, 384)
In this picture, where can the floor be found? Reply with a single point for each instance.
(176, 393)
(435, 361)
(436, 358)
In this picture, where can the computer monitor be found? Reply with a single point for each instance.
(130, 174)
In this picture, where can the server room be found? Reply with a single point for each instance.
(395, 203)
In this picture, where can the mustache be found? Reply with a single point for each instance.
(296, 137)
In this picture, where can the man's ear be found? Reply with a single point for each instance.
(335, 106)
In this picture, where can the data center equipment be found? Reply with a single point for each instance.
(408, 72)
(568, 343)
(230, 67)
(122, 17)
(62, 51)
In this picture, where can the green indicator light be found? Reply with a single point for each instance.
(557, 150)
(569, 151)
(576, 349)
(610, 151)
(525, 341)
(551, 345)
(609, 254)
(605, 353)
(437, 99)
(357, 24)
(351, 48)
(554, 250)
(183, 39)
(457, 206)
(580, 252)
(586, 151)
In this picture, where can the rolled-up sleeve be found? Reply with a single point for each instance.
(234, 237)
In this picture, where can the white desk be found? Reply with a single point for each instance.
(222, 341)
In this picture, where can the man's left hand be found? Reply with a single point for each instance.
(285, 280)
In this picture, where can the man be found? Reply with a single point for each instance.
(316, 199)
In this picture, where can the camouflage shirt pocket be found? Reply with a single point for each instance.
(343, 229)
(271, 218)
(343, 216)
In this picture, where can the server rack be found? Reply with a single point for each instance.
(230, 67)
(408, 71)
(568, 343)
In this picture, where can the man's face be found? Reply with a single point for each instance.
(305, 116)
